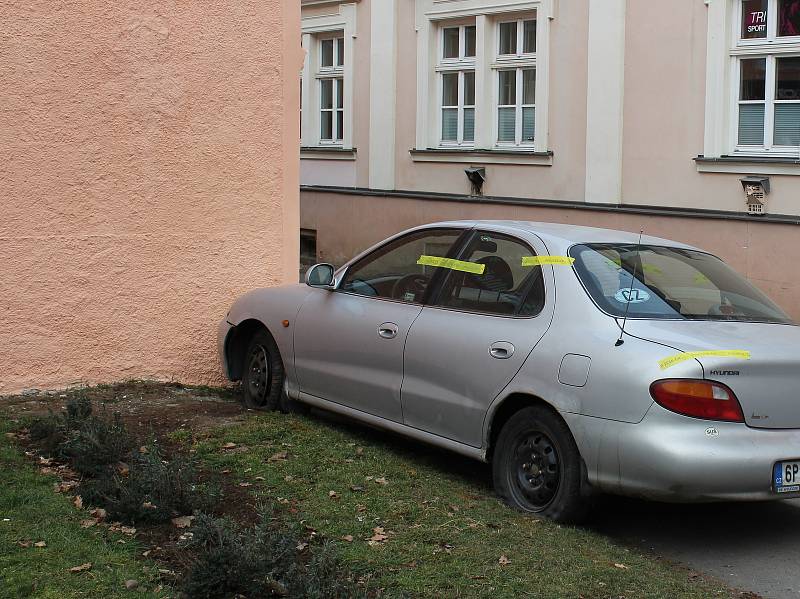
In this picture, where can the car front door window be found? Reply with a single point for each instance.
(398, 270)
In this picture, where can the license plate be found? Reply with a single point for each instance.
(786, 477)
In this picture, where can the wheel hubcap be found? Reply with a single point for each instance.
(258, 379)
(537, 469)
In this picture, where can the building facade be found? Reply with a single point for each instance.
(148, 162)
(682, 120)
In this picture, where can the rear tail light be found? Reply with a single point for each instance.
(699, 399)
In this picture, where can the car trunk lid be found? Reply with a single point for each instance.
(767, 384)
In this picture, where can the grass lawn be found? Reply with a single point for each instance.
(30, 511)
(425, 523)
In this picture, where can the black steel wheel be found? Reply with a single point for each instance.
(538, 472)
(537, 467)
(262, 373)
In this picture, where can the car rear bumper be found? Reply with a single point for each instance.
(223, 330)
(676, 458)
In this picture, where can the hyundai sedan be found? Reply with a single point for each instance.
(573, 359)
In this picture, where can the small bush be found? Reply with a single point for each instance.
(261, 562)
(90, 443)
(152, 490)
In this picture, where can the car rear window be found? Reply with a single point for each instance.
(669, 283)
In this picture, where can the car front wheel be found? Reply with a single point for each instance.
(262, 373)
(537, 467)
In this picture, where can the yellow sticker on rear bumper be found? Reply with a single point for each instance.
(452, 264)
(541, 260)
(691, 355)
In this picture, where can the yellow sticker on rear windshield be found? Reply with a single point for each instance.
(691, 355)
(541, 260)
(452, 264)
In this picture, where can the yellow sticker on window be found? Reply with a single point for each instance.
(542, 260)
(655, 270)
(452, 264)
(691, 355)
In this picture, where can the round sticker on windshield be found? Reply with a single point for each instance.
(634, 296)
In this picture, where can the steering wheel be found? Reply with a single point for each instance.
(413, 283)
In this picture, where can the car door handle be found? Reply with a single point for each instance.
(502, 350)
(388, 330)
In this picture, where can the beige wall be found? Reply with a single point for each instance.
(149, 175)
(766, 253)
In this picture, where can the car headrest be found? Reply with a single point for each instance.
(496, 277)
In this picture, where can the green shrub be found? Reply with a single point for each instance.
(152, 490)
(261, 562)
(91, 444)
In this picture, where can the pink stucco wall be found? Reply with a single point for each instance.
(149, 175)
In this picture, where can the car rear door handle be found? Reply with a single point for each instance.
(502, 350)
(388, 330)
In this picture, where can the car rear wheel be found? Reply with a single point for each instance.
(537, 467)
(262, 373)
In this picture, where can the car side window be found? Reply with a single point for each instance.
(503, 282)
(400, 270)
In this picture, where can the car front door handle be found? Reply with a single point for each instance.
(502, 350)
(388, 330)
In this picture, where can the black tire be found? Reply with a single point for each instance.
(538, 469)
(262, 373)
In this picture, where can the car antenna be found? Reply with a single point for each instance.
(620, 341)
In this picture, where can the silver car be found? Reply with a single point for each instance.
(573, 359)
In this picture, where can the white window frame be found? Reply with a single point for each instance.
(314, 30)
(726, 49)
(459, 65)
(516, 62)
(430, 17)
(333, 73)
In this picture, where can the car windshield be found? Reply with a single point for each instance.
(669, 283)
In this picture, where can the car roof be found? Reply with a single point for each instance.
(563, 235)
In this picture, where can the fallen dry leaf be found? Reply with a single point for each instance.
(503, 560)
(356, 489)
(98, 513)
(381, 481)
(359, 451)
(280, 456)
(361, 508)
(89, 522)
(131, 584)
(245, 484)
(229, 446)
(143, 449)
(288, 478)
(301, 546)
(259, 478)
(182, 521)
(82, 567)
(348, 538)
(379, 537)
(149, 506)
(333, 495)
(65, 486)
(78, 502)
(123, 469)
(24, 544)
(621, 566)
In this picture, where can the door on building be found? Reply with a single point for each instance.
(468, 344)
(349, 342)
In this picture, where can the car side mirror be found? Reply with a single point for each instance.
(320, 275)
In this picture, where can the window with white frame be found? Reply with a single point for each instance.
(330, 82)
(456, 68)
(766, 74)
(515, 67)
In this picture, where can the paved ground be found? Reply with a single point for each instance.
(753, 547)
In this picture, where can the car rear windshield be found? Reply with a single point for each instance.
(669, 283)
